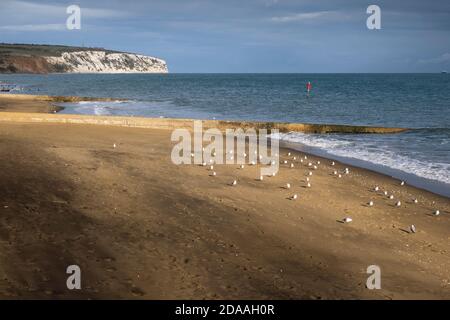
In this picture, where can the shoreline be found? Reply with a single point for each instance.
(48, 113)
(433, 186)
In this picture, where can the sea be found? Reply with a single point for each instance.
(419, 102)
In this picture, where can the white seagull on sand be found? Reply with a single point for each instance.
(412, 228)
(370, 203)
(234, 183)
(376, 188)
(288, 185)
(398, 204)
(347, 219)
(437, 212)
(294, 197)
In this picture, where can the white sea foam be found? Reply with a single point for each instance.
(371, 151)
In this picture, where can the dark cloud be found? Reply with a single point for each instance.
(247, 36)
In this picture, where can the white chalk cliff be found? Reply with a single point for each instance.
(106, 62)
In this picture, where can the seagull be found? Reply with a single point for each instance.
(288, 185)
(391, 196)
(347, 220)
(301, 160)
(385, 193)
(416, 201)
(114, 146)
(315, 167)
(318, 162)
(294, 197)
(335, 172)
(309, 164)
(402, 183)
(292, 165)
(253, 163)
(273, 174)
(285, 161)
(306, 157)
(308, 185)
(214, 174)
(376, 188)
(347, 171)
(295, 158)
(204, 164)
(307, 179)
(340, 176)
(234, 183)
(412, 228)
(211, 168)
(289, 154)
(437, 212)
(333, 163)
(370, 203)
(242, 166)
(398, 204)
(310, 173)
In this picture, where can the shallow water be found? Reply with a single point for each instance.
(417, 101)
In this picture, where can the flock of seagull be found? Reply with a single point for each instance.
(313, 166)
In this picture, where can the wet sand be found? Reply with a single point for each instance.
(141, 227)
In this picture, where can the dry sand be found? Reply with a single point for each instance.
(142, 227)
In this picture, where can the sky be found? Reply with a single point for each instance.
(198, 36)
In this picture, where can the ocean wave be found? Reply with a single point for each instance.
(372, 151)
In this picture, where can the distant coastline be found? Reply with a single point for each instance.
(43, 59)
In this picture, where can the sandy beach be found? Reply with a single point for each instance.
(141, 227)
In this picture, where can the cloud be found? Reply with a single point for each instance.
(29, 9)
(444, 58)
(34, 27)
(309, 16)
